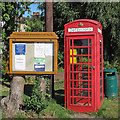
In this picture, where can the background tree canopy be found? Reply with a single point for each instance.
(11, 14)
(106, 13)
(63, 12)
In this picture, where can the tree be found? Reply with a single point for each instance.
(106, 13)
(35, 24)
(11, 12)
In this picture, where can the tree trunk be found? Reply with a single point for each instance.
(43, 86)
(12, 102)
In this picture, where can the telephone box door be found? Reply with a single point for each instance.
(80, 73)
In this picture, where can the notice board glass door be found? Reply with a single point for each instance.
(80, 80)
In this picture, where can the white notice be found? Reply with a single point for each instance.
(39, 49)
(19, 62)
(49, 49)
(80, 29)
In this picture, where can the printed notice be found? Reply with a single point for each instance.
(20, 48)
(49, 49)
(19, 62)
(39, 50)
(39, 64)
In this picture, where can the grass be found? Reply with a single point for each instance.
(109, 109)
(55, 108)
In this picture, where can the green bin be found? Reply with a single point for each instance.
(110, 83)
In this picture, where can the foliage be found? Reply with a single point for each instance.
(105, 12)
(109, 109)
(60, 58)
(115, 65)
(108, 15)
(37, 101)
(54, 110)
(35, 24)
(11, 13)
(3, 65)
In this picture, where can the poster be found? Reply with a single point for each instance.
(20, 61)
(42, 51)
(49, 49)
(39, 64)
(39, 50)
(20, 48)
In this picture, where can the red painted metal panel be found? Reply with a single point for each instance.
(83, 72)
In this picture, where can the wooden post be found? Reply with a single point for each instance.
(51, 91)
(49, 28)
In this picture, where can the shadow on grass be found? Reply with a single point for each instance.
(2, 83)
(59, 97)
(28, 89)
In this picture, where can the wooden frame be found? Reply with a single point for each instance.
(33, 37)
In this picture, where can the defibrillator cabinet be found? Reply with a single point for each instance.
(83, 64)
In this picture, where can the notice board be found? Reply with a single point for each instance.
(33, 53)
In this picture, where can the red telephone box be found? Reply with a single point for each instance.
(83, 63)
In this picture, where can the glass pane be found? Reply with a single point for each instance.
(85, 93)
(80, 67)
(90, 84)
(100, 58)
(90, 59)
(100, 66)
(80, 84)
(81, 101)
(71, 67)
(90, 68)
(89, 50)
(100, 43)
(70, 42)
(100, 98)
(74, 51)
(71, 76)
(77, 93)
(76, 76)
(80, 42)
(80, 59)
(71, 92)
(81, 51)
(90, 76)
(84, 76)
(71, 84)
(89, 42)
(100, 82)
(100, 74)
(71, 101)
(100, 90)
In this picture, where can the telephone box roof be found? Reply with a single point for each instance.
(83, 20)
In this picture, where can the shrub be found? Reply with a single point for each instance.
(36, 102)
(115, 65)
